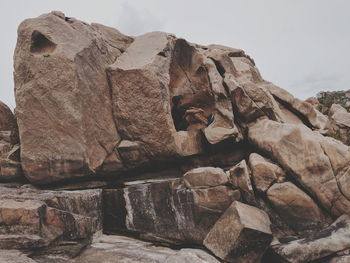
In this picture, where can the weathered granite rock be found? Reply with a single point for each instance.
(58, 61)
(167, 210)
(263, 172)
(240, 177)
(14, 256)
(242, 234)
(10, 167)
(253, 101)
(120, 249)
(339, 123)
(8, 124)
(305, 110)
(327, 242)
(297, 208)
(298, 150)
(32, 218)
(205, 177)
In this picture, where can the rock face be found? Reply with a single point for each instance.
(242, 234)
(192, 147)
(63, 101)
(33, 219)
(168, 210)
(339, 123)
(299, 150)
(296, 208)
(10, 167)
(119, 249)
(327, 242)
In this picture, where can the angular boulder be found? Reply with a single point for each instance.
(264, 173)
(296, 208)
(242, 234)
(64, 111)
(299, 150)
(32, 218)
(167, 210)
(327, 242)
(339, 123)
(205, 177)
(240, 177)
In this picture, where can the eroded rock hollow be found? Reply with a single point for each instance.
(187, 147)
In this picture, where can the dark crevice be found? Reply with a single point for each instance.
(40, 44)
(297, 113)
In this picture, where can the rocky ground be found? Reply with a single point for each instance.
(92, 168)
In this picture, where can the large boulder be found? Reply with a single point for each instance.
(299, 150)
(64, 111)
(167, 210)
(33, 219)
(339, 123)
(327, 242)
(242, 234)
(119, 249)
(297, 208)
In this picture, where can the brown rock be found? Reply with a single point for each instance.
(327, 242)
(205, 177)
(339, 123)
(296, 208)
(32, 218)
(14, 256)
(242, 234)
(240, 177)
(311, 116)
(264, 173)
(58, 61)
(119, 249)
(167, 210)
(298, 150)
(8, 124)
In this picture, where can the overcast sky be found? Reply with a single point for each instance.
(301, 45)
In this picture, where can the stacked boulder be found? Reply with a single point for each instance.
(260, 182)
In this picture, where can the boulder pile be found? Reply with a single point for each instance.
(155, 149)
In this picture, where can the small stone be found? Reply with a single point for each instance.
(205, 177)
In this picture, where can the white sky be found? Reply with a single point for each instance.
(300, 45)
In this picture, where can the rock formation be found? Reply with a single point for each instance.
(102, 154)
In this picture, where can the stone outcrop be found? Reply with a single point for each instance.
(10, 167)
(168, 210)
(64, 111)
(36, 219)
(298, 149)
(183, 145)
(119, 249)
(327, 242)
(339, 123)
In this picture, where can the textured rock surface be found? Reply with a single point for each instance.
(32, 218)
(327, 242)
(264, 173)
(14, 256)
(98, 109)
(240, 177)
(339, 123)
(119, 249)
(242, 234)
(298, 149)
(205, 177)
(58, 61)
(167, 210)
(10, 167)
(297, 208)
